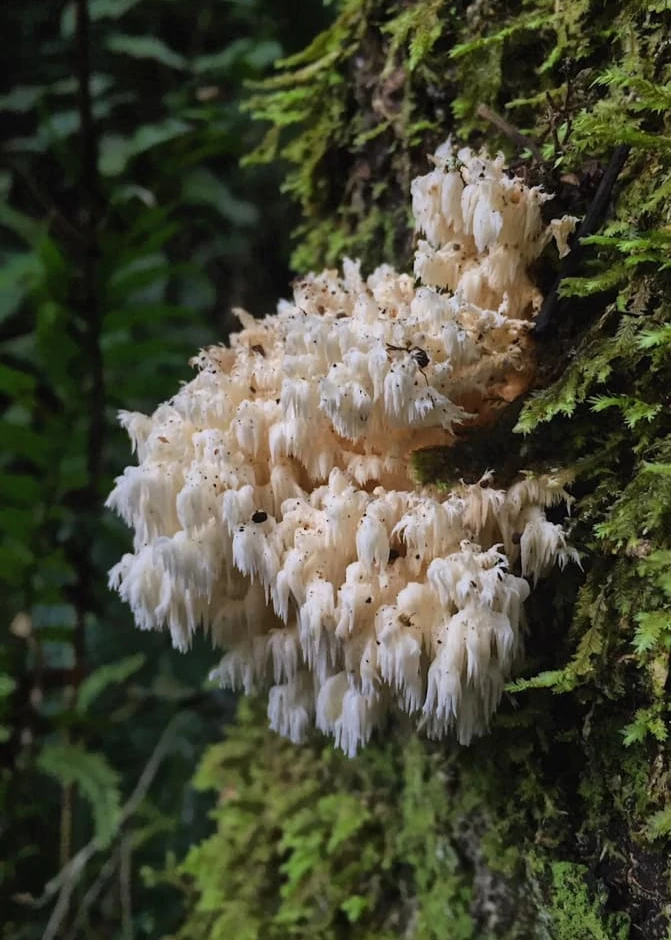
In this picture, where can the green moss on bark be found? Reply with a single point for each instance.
(405, 840)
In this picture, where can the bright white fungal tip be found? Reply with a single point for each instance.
(274, 506)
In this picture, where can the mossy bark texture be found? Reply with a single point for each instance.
(557, 824)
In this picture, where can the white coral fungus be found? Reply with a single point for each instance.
(274, 508)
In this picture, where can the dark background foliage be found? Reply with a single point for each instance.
(127, 232)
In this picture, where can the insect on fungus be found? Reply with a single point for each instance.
(420, 356)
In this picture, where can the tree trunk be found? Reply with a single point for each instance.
(556, 824)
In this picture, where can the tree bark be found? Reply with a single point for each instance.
(558, 821)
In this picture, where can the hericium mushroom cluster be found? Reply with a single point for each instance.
(274, 505)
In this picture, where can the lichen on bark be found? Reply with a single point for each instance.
(557, 824)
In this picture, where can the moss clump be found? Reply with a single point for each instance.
(400, 841)
(576, 913)
(345, 115)
(308, 843)
(557, 825)
(356, 112)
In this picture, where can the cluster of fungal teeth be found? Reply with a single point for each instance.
(274, 506)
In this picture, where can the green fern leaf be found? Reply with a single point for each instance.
(98, 783)
(98, 681)
(544, 680)
(659, 824)
(652, 626)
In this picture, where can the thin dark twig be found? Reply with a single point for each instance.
(65, 882)
(509, 130)
(93, 892)
(568, 111)
(552, 118)
(592, 221)
(91, 205)
(125, 888)
(86, 307)
(48, 205)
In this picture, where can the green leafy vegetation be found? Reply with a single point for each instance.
(402, 840)
(98, 783)
(127, 232)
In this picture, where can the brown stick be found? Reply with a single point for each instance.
(517, 136)
(592, 221)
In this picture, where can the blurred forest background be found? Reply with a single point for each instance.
(127, 232)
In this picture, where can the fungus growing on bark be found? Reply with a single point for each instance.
(274, 505)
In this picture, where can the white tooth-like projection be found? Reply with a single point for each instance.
(274, 506)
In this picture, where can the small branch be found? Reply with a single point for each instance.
(91, 204)
(593, 220)
(68, 878)
(86, 304)
(47, 204)
(75, 868)
(92, 894)
(67, 800)
(125, 891)
(512, 132)
(597, 210)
